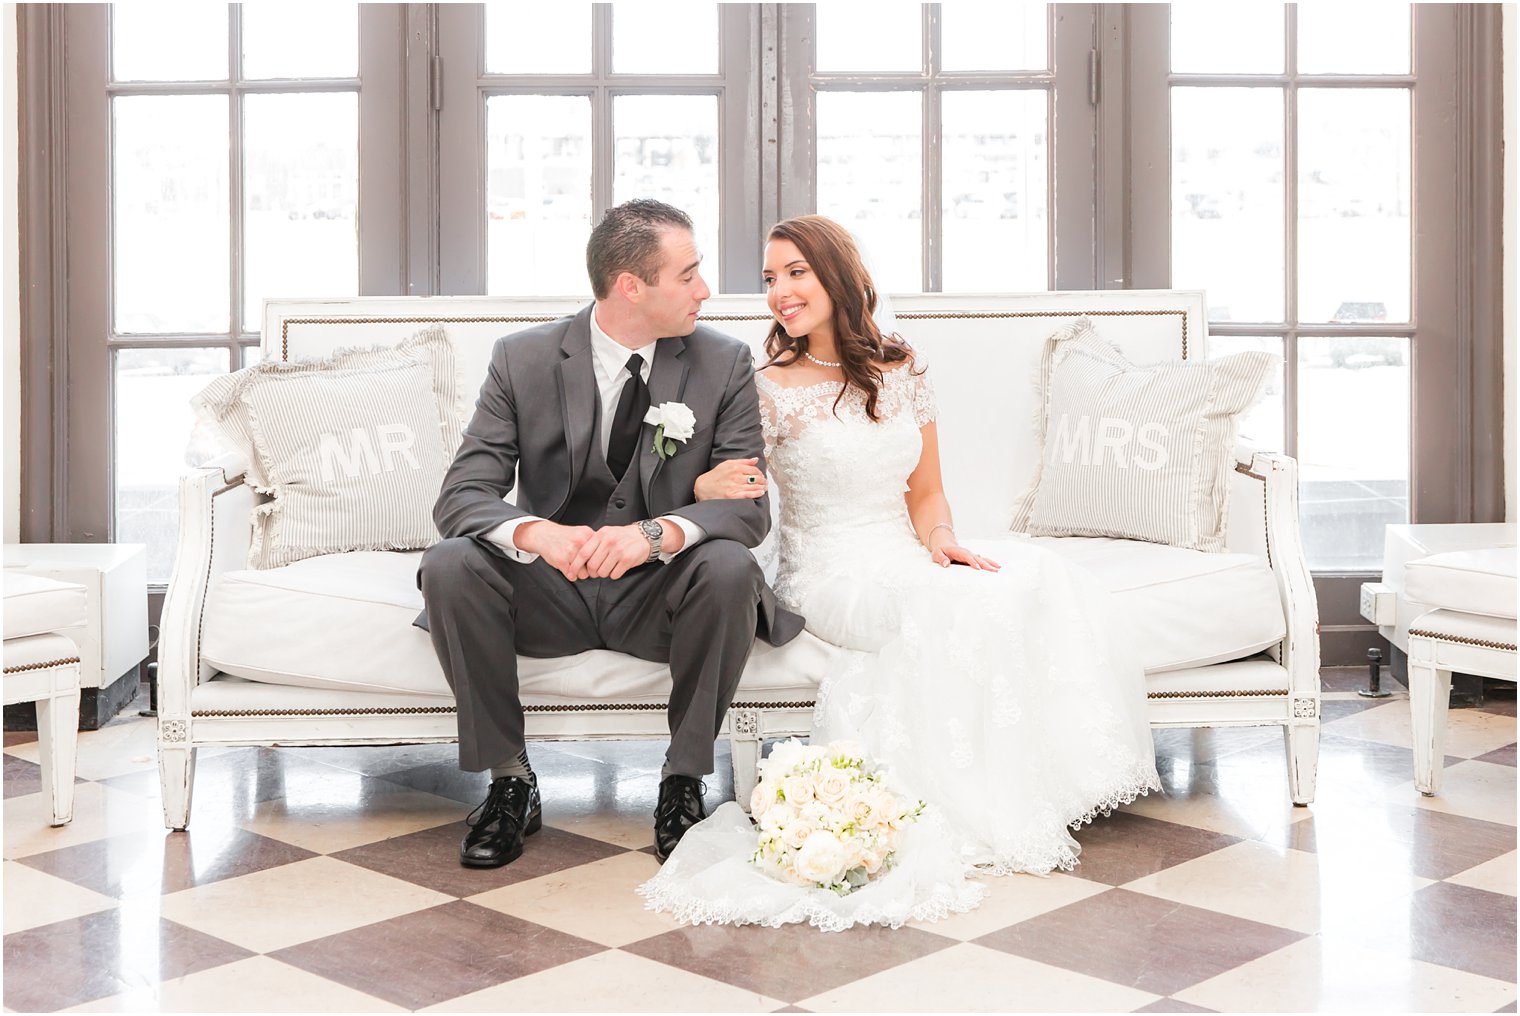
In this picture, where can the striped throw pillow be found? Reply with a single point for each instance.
(1138, 452)
(350, 451)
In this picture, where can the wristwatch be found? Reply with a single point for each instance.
(655, 534)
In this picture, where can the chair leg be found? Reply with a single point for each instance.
(1429, 698)
(176, 774)
(57, 745)
(744, 748)
(1302, 743)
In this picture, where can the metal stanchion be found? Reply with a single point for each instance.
(1374, 687)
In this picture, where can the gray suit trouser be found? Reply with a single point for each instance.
(697, 613)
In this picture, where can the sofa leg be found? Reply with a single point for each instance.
(57, 747)
(744, 748)
(1302, 743)
(176, 774)
(1429, 698)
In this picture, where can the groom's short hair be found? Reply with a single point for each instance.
(628, 240)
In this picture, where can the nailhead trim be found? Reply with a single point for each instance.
(573, 707)
(1461, 640)
(41, 666)
(1253, 693)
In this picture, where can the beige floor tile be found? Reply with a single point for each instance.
(969, 977)
(611, 982)
(1474, 789)
(298, 902)
(1246, 804)
(1469, 732)
(1497, 875)
(1277, 886)
(1327, 975)
(1013, 898)
(257, 984)
(117, 748)
(593, 901)
(330, 826)
(99, 811)
(634, 831)
(33, 899)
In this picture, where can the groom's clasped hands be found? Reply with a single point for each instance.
(580, 552)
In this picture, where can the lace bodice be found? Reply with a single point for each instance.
(839, 476)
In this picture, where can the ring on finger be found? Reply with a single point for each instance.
(752, 479)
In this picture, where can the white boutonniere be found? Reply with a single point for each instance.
(673, 421)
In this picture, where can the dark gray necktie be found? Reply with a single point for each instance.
(633, 403)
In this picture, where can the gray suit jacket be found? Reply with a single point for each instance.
(535, 418)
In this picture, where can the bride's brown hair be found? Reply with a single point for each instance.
(860, 346)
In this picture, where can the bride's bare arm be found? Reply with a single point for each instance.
(929, 509)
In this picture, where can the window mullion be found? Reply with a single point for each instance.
(235, 173)
(1290, 235)
(602, 135)
(933, 171)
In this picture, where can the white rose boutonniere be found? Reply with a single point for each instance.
(673, 421)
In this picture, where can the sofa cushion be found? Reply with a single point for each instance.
(344, 621)
(1136, 451)
(1186, 608)
(1471, 581)
(36, 604)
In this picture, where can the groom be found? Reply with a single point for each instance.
(605, 546)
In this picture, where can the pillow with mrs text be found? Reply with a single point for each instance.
(1140, 452)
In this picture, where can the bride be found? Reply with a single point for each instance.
(998, 691)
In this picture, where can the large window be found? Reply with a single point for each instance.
(233, 153)
(1290, 150)
(552, 114)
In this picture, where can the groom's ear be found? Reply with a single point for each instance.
(629, 286)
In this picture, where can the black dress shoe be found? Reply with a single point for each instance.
(679, 809)
(510, 811)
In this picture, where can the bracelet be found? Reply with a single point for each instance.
(939, 525)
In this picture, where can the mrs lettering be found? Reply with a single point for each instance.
(1113, 440)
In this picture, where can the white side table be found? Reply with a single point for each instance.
(115, 638)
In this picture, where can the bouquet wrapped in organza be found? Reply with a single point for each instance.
(825, 816)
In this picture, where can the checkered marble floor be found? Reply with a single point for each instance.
(327, 879)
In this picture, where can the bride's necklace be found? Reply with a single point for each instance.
(821, 363)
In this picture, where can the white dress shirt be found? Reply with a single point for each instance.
(609, 362)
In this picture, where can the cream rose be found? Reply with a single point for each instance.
(832, 786)
(798, 790)
(796, 834)
(821, 858)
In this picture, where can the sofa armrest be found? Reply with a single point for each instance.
(215, 508)
(1264, 520)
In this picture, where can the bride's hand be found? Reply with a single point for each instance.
(735, 478)
(954, 554)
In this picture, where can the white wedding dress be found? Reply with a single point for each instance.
(1006, 700)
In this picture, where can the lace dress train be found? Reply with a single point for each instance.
(1006, 700)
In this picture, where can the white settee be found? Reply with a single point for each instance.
(323, 652)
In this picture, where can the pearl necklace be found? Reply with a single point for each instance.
(821, 363)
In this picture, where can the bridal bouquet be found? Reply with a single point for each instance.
(825, 817)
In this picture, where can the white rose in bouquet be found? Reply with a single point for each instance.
(784, 756)
(796, 833)
(832, 787)
(797, 790)
(821, 858)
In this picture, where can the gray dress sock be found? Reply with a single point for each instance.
(516, 767)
